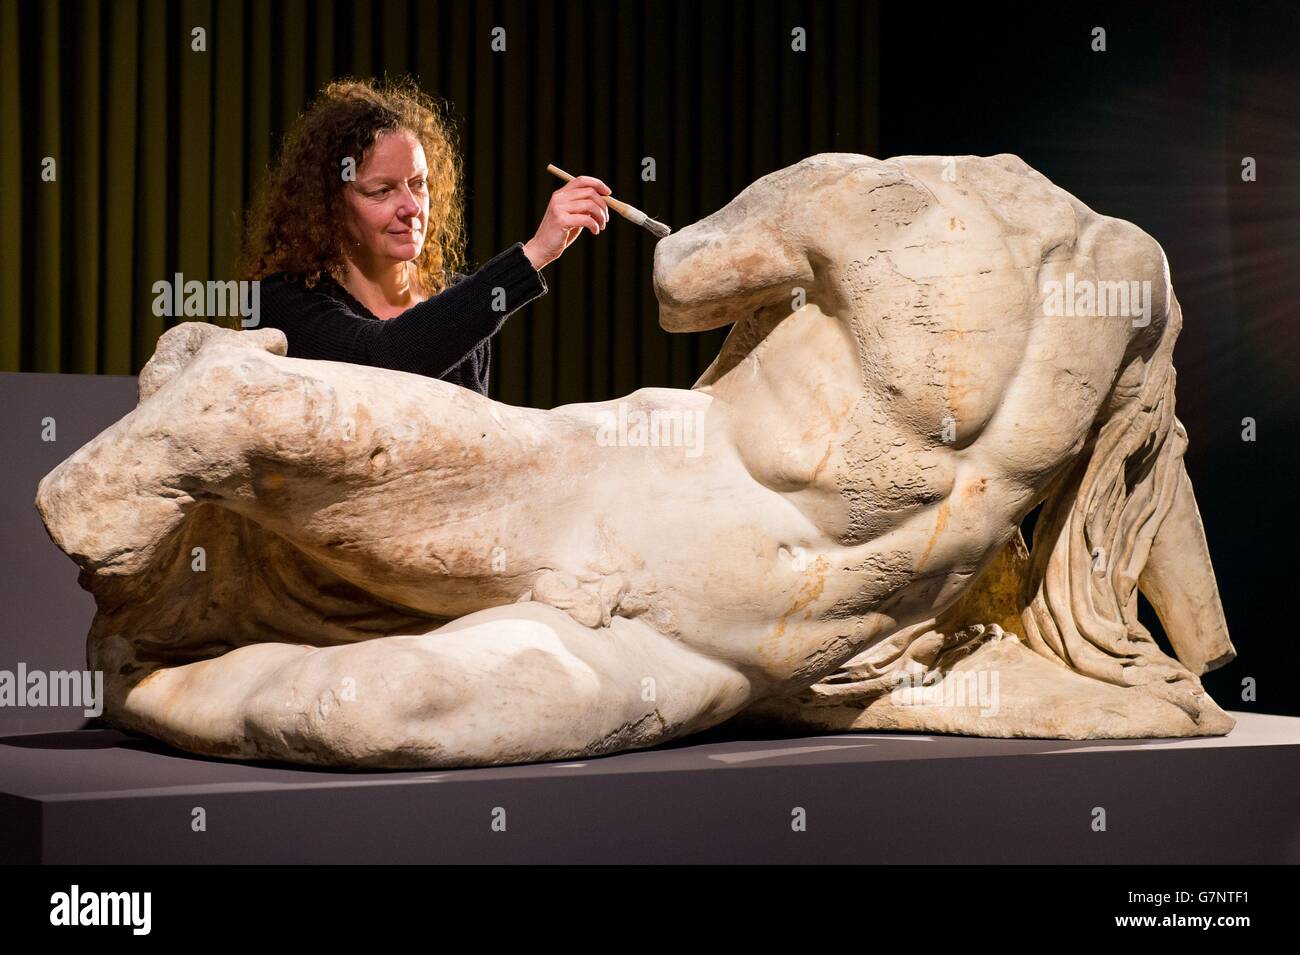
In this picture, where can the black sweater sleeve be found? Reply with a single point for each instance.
(430, 338)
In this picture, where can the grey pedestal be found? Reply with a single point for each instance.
(97, 796)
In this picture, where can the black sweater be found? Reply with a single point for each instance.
(448, 336)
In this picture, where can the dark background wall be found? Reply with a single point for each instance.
(159, 148)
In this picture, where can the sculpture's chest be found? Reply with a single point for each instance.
(806, 424)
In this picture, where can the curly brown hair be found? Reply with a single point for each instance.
(345, 120)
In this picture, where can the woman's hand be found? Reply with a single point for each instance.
(575, 206)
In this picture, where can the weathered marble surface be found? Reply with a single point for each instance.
(399, 572)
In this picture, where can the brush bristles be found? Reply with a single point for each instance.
(657, 229)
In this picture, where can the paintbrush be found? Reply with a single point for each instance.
(630, 213)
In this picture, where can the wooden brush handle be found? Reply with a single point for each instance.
(622, 208)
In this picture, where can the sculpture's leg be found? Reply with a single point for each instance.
(1179, 581)
(382, 477)
(1004, 689)
(114, 503)
(508, 684)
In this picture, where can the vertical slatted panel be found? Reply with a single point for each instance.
(292, 62)
(618, 341)
(706, 182)
(13, 180)
(867, 81)
(546, 148)
(81, 347)
(193, 210)
(395, 31)
(151, 235)
(611, 158)
(514, 186)
(573, 302)
(696, 35)
(580, 132)
(610, 147)
(483, 132)
(632, 361)
(362, 39)
(820, 93)
(257, 129)
(228, 141)
(323, 66)
(796, 105)
(48, 264)
(545, 109)
(653, 347)
(120, 189)
(429, 41)
(846, 115)
(766, 55)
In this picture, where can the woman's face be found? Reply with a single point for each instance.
(388, 204)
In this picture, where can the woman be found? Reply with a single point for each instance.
(359, 228)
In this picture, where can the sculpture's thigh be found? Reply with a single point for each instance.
(392, 473)
(425, 494)
(511, 684)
